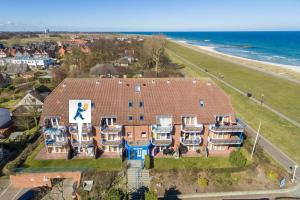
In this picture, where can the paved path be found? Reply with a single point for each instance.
(12, 193)
(237, 90)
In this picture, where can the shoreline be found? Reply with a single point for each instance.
(285, 71)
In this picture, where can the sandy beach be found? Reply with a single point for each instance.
(285, 71)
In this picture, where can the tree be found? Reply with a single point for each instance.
(153, 50)
(115, 194)
(150, 195)
(237, 158)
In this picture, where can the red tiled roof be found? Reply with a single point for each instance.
(162, 96)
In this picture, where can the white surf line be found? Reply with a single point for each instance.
(4, 191)
(239, 91)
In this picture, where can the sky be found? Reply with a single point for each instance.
(150, 15)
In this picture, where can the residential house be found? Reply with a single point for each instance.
(138, 117)
(13, 69)
(103, 70)
(2, 54)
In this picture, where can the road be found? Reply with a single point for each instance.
(201, 68)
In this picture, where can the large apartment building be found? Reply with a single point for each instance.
(138, 117)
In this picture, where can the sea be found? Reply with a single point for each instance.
(279, 47)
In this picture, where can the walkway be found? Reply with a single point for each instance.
(138, 179)
(238, 90)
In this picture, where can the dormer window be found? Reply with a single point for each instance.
(130, 104)
(141, 117)
(141, 104)
(201, 103)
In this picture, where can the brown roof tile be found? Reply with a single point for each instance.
(175, 97)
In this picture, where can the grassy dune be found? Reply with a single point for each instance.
(280, 132)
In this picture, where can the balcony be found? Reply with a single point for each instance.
(196, 128)
(156, 128)
(85, 129)
(191, 140)
(230, 127)
(234, 140)
(111, 129)
(55, 130)
(85, 144)
(57, 143)
(162, 141)
(111, 142)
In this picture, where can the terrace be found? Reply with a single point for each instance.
(232, 140)
(86, 128)
(226, 127)
(161, 139)
(190, 139)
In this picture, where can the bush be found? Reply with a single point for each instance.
(150, 195)
(272, 175)
(147, 162)
(237, 158)
(183, 149)
(115, 194)
(168, 151)
(203, 182)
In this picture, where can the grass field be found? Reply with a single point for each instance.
(101, 164)
(281, 94)
(280, 132)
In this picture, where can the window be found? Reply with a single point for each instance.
(143, 134)
(130, 118)
(141, 104)
(129, 134)
(130, 104)
(93, 105)
(142, 117)
(201, 103)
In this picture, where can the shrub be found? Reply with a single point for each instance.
(168, 151)
(150, 195)
(272, 175)
(237, 158)
(203, 182)
(147, 162)
(115, 194)
(183, 149)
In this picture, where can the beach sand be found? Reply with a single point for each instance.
(284, 71)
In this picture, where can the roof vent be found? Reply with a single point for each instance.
(208, 83)
(120, 82)
(137, 88)
(153, 81)
(194, 81)
(64, 85)
(168, 81)
(97, 82)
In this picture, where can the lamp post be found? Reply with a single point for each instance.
(262, 99)
(294, 174)
(256, 138)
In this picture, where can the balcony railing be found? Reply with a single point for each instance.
(89, 143)
(111, 129)
(111, 142)
(85, 129)
(236, 127)
(227, 141)
(53, 142)
(54, 130)
(198, 128)
(156, 128)
(162, 141)
(191, 140)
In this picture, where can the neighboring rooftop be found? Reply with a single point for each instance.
(111, 96)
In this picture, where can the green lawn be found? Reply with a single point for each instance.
(280, 132)
(101, 164)
(280, 94)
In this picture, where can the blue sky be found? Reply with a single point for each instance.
(150, 15)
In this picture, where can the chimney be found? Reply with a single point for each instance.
(124, 76)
